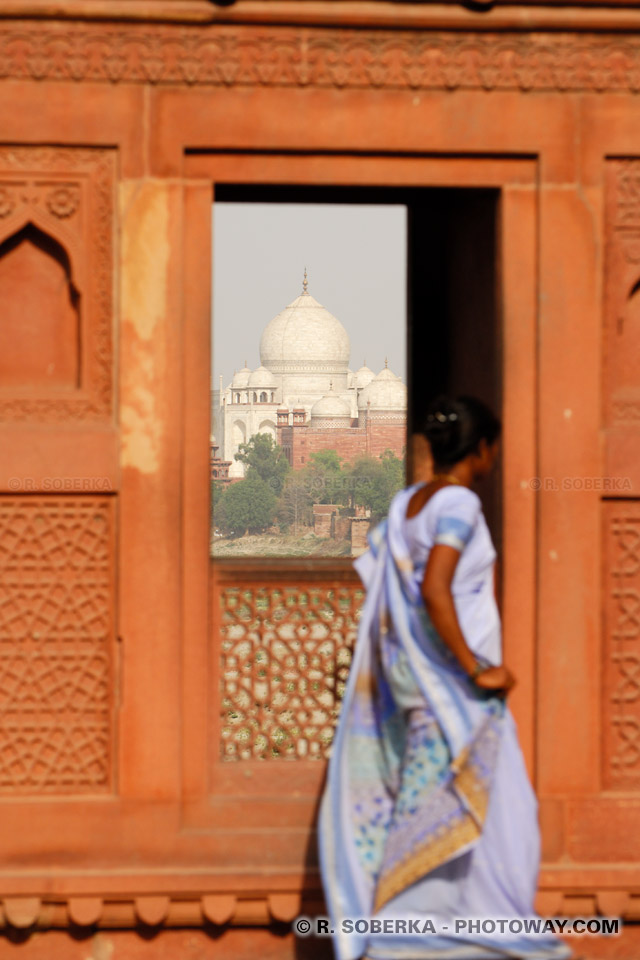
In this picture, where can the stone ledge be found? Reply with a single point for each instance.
(155, 911)
(622, 15)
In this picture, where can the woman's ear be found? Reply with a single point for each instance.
(482, 450)
(485, 455)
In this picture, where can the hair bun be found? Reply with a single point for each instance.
(455, 427)
(441, 426)
(442, 417)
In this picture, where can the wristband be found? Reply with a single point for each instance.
(479, 668)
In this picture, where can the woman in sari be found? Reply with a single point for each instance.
(428, 812)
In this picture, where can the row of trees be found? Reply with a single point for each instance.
(272, 493)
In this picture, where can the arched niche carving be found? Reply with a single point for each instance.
(40, 317)
(268, 426)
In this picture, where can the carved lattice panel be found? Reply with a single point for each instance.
(285, 656)
(56, 597)
(622, 645)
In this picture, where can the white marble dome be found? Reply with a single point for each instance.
(330, 407)
(364, 376)
(261, 378)
(241, 378)
(305, 337)
(385, 392)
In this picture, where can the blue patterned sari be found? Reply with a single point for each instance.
(413, 767)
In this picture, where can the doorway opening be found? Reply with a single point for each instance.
(451, 327)
(454, 322)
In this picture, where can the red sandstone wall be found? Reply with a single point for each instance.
(349, 442)
(387, 436)
(127, 775)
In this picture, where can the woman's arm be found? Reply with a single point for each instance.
(438, 599)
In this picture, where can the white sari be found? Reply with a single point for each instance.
(428, 811)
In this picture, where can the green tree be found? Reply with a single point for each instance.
(296, 502)
(375, 481)
(327, 480)
(262, 454)
(218, 489)
(247, 506)
(394, 470)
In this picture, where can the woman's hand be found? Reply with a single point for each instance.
(495, 678)
(440, 606)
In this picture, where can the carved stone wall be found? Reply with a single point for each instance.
(621, 531)
(203, 805)
(281, 56)
(622, 360)
(56, 634)
(284, 660)
(65, 197)
(621, 699)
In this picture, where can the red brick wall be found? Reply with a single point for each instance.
(350, 442)
(359, 529)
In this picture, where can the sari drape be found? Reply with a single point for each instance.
(422, 763)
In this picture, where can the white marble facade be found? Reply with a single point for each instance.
(304, 364)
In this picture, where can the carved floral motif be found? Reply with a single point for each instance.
(63, 201)
(281, 56)
(8, 200)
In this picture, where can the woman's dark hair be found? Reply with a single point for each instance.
(454, 428)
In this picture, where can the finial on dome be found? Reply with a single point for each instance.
(386, 364)
(305, 282)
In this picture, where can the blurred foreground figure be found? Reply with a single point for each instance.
(428, 811)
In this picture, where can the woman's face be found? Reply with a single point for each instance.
(486, 456)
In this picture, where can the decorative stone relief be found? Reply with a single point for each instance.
(65, 196)
(281, 56)
(622, 291)
(622, 644)
(284, 660)
(56, 609)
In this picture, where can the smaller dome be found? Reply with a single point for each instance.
(385, 392)
(241, 378)
(331, 406)
(262, 378)
(364, 376)
(386, 374)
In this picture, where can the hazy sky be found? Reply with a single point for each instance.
(356, 260)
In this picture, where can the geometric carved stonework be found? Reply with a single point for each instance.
(56, 275)
(621, 694)
(285, 656)
(622, 292)
(279, 56)
(56, 601)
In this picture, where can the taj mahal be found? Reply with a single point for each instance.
(305, 395)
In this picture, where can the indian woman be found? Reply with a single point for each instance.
(428, 813)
